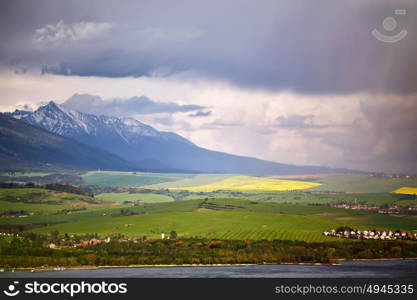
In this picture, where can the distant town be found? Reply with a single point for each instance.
(383, 209)
(350, 233)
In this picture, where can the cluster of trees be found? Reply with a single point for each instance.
(62, 178)
(17, 228)
(67, 188)
(173, 235)
(18, 212)
(30, 251)
(344, 228)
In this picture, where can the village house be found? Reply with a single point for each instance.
(164, 236)
(371, 234)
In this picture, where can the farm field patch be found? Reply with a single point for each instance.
(221, 218)
(38, 195)
(250, 183)
(195, 180)
(130, 179)
(134, 197)
(361, 183)
(210, 224)
(406, 191)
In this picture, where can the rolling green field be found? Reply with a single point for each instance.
(41, 201)
(94, 213)
(346, 183)
(141, 197)
(222, 218)
(322, 198)
(205, 223)
(131, 179)
(358, 218)
(233, 214)
(37, 195)
(34, 208)
(196, 180)
(358, 183)
(288, 222)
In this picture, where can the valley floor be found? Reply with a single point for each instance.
(67, 225)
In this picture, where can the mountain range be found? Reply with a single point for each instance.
(25, 146)
(145, 147)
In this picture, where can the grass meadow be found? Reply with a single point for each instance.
(247, 207)
(360, 183)
(131, 179)
(134, 197)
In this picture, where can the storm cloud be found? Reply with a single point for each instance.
(125, 107)
(304, 46)
(59, 34)
(300, 82)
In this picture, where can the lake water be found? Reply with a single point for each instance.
(347, 269)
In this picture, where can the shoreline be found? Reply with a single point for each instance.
(338, 263)
(377, 259)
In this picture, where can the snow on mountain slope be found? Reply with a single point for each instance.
(61, 121)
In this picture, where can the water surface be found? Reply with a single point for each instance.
(347, 269)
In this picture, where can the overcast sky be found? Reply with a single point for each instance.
(301, 82)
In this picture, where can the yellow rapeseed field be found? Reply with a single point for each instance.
(406, 190)
(251, 183)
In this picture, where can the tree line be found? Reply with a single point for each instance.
(32, 250)
(67, 188)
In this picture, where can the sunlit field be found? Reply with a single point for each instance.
(363, 183)
(406, 190)
(251, 183)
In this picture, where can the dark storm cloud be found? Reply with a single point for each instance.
(318, 46)
(128, 107)
(310, 47)
(381, 138)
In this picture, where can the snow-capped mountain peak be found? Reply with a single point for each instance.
(59, 120)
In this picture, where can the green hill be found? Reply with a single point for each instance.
(223, 218)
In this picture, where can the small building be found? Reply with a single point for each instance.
(94, 242)
(84, 243)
